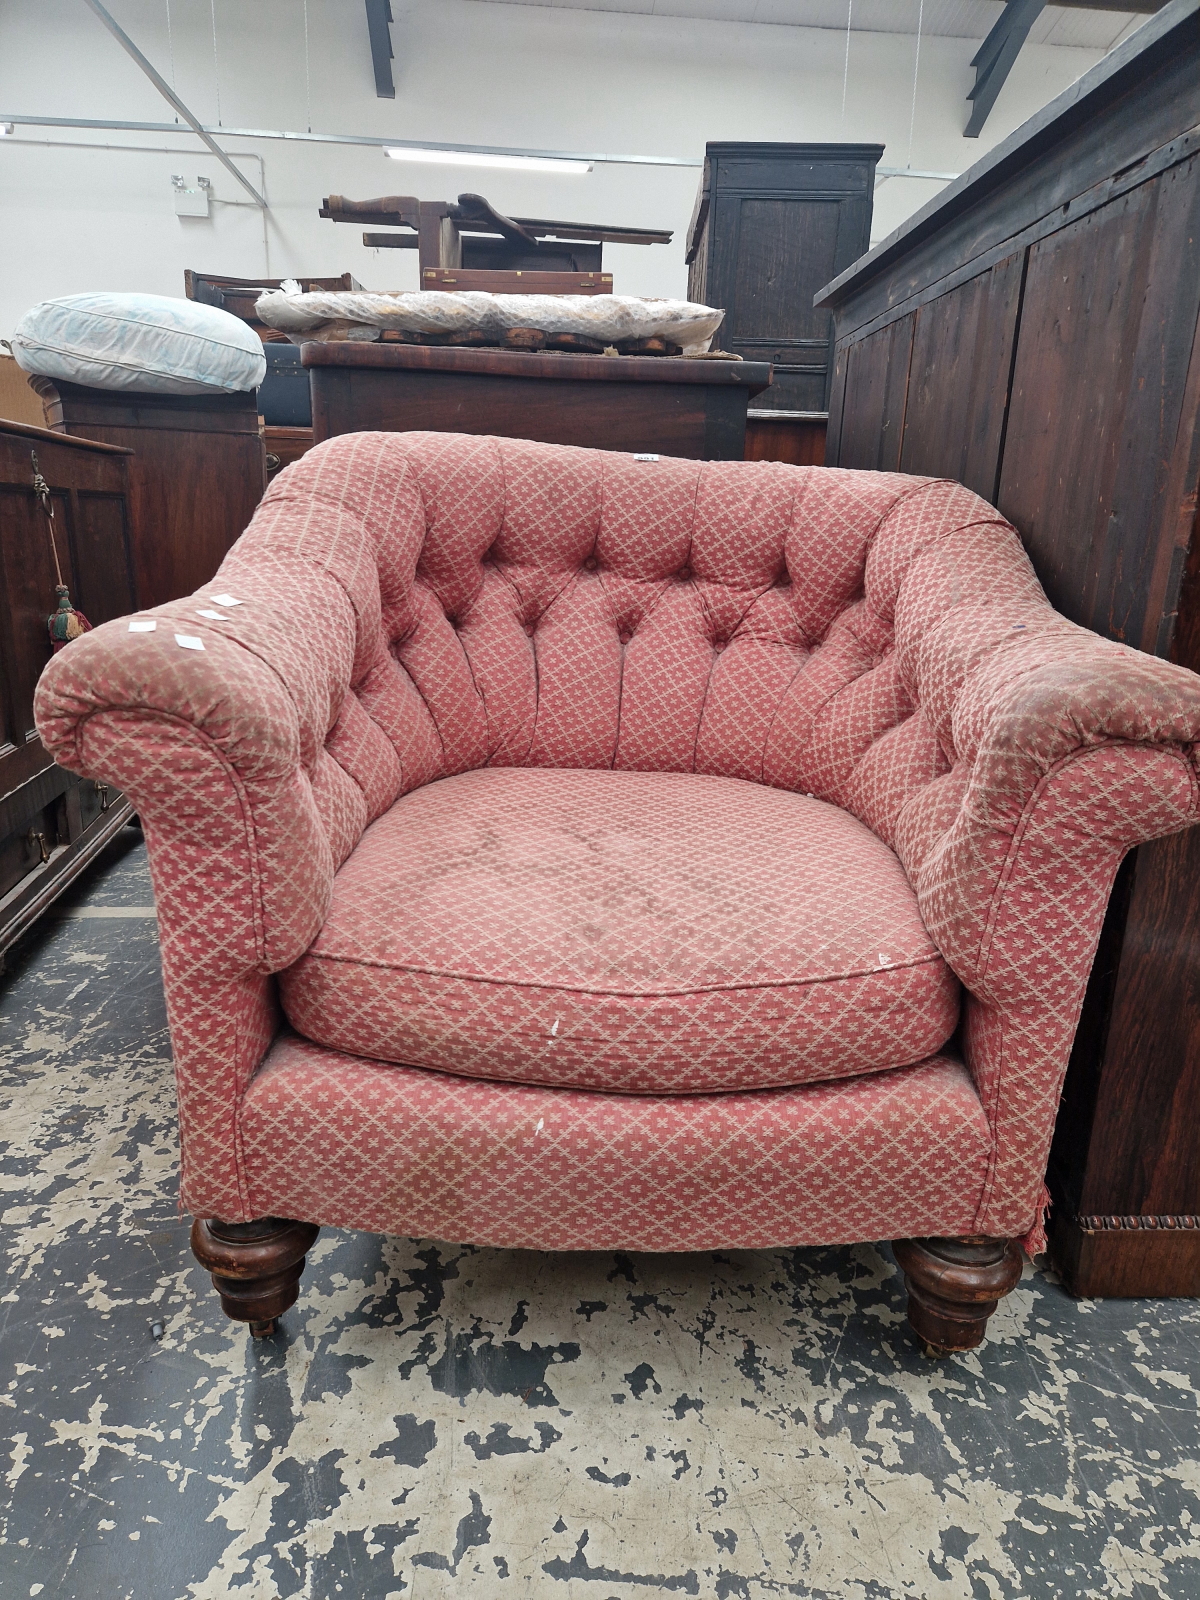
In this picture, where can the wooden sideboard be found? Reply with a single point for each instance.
(797, 437)
(668, 405)
(1035, 333)
(198, 471)
(51, 822)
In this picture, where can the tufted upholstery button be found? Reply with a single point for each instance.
(590, 564)
(625, 635)
(683, 575)
(529, 627)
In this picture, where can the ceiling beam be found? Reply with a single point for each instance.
(1143, 8)
(379, 26)
(172, 99)
(993, 61)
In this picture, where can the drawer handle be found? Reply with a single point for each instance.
(39, 839)
(102, 791)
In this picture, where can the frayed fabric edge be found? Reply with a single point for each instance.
(1034, 1242)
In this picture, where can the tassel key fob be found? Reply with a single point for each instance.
(66, 623)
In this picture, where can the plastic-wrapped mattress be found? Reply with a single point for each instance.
(607, 319)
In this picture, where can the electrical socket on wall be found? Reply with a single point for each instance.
(190, 202)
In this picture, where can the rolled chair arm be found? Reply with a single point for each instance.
(208, 743)
(1070, 751)
(1046, 696)
(213, 746)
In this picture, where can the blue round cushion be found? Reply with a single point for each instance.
(139, 341)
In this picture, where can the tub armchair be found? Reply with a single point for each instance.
(569, 850)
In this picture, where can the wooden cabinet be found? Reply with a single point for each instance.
(641, 403)
(239, 296)
(197, 474)
(51, 822)
(794, 437)
(1035, 333)
(773, 222)
(285, 445)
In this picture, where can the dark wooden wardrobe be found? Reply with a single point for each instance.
(772, 223)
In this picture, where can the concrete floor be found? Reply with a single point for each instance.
(436, 1420)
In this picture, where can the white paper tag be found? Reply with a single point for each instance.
(186, 642)
(225, 600)
(142, 625)
(214, 616)
(645, 458)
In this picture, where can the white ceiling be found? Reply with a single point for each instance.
(963, 19)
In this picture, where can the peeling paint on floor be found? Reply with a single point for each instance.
(436, 1420)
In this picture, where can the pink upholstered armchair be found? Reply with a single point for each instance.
(564, 850)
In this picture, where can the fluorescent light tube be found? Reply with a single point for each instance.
(479, 158)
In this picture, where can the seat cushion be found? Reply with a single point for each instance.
(359, 1144)
(638, 932)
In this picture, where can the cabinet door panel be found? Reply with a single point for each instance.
(102, 559)
(872, 426)
(52, 822)
(1107, 329)
(29, 578)
(781, 253)
(958, 381)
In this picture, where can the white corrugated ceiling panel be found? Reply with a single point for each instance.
(961, 19)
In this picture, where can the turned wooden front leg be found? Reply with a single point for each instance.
(954, 1285)
(255, 1266)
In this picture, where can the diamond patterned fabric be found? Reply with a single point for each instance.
(652, 933)
(400, 1149)
(422, 606)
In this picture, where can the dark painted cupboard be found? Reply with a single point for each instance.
(773, 222)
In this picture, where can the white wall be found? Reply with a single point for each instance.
(73, 219)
